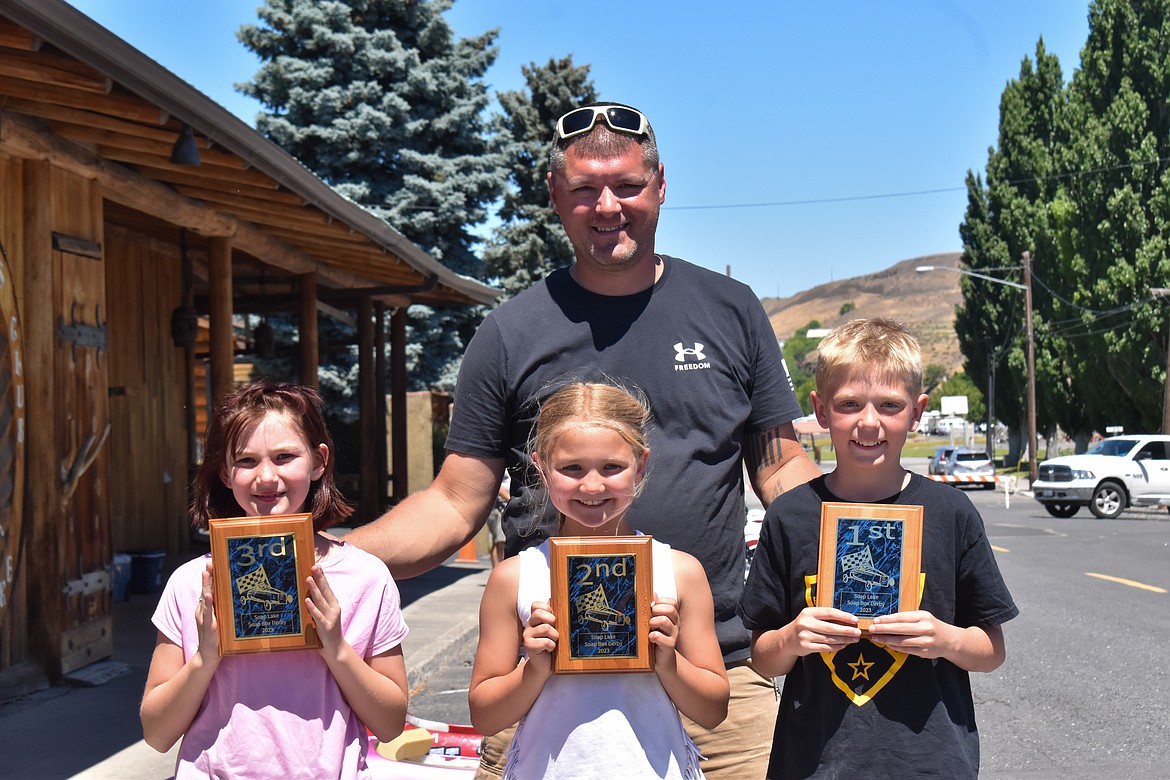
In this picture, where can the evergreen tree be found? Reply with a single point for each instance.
(530, 243)
(1012, 215)
(1119, 210)
(378, 99)
(1081, 179)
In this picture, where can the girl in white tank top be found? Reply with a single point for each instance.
(590, 448)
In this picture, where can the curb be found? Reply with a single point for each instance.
(440, 622)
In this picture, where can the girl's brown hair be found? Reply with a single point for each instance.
(235, 416)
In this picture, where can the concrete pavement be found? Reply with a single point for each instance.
(92, 732)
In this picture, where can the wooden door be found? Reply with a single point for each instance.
(81, 365)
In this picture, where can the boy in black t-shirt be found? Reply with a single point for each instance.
(897, 703)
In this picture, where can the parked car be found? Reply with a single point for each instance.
(964, 462)
(938, 461)
(1116, 473)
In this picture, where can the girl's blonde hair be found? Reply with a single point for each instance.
(878, 348)
(592, 404)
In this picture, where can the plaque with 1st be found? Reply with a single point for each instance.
(870, 558)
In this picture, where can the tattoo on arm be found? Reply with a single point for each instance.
(764, 449)
(764, 453)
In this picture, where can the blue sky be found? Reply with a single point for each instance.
(804, 142)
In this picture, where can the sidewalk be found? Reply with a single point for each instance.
(93, 733)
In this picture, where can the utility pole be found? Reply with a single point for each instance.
(1033, 471)
(1164, 292)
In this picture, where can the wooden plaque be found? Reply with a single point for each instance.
(601, 592)
(260, 568)
(870, 557)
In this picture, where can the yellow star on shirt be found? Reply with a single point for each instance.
(860, 667)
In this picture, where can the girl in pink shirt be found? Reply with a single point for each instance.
(290, 714)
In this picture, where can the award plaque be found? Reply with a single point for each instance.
(601, 592)
(260, 568)
(870, 556)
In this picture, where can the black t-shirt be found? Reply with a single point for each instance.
(866, 710)
(698, 344)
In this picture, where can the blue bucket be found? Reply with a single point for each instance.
(146, 571)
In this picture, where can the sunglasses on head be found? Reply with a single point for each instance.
(621, 119)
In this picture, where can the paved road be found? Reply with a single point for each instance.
(1084, 691)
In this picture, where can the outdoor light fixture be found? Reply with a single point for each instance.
(185, 151)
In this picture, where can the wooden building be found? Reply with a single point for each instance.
(131, 208)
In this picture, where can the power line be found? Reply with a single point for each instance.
(815, 201)
(914, 193)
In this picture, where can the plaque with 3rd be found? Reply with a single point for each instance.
(260, 568)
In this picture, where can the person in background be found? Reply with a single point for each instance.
(591, 451)
(496, 522)
(896, 702)
(294, 713)
(697, 343)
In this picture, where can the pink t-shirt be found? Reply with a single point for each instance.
(282, 714)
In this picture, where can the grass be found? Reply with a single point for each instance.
(916, 446)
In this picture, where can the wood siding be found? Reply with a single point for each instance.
(148, 489)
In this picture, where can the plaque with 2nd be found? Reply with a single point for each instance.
(260, 568)
(601, 592)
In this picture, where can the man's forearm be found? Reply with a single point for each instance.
(777, 462)
(412, 537)
(427, 527)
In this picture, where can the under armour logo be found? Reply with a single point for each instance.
(682, 353)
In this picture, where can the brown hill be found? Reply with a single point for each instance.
(925, 302)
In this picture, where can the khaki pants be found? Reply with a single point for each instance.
(738, 747)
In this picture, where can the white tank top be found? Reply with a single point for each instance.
(599, 725)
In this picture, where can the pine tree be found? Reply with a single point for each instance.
(530, 243)
(1006, 217)
(378, 99)
(1119, 210)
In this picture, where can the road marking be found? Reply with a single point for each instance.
(997, 548)
(1123, 581)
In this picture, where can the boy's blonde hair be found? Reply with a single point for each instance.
(877, 348)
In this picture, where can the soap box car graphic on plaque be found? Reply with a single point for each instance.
(870, 557)
(601, 592)
(260, 568)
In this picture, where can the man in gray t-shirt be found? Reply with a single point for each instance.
(697, 343)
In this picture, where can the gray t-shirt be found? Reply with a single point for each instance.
(698, 344)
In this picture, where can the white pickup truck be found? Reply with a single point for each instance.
(1119, 472)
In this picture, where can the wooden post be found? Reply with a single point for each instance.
(1033, 467)
(367, 479)
(398, 457)
(380, 403)
(308, 325)
(223, 337)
